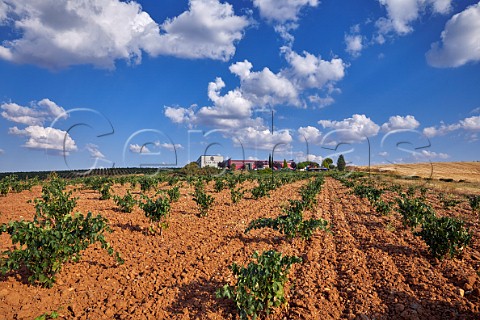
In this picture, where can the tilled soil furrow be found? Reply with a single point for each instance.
(405, 280)
(355, 283)
(316, 295)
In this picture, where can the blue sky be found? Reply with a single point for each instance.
(109, 83)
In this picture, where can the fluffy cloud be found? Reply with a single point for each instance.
(231, 110)
(399, 122)
(321, 102)
(59, 34)
(309, 71)
(3, 12)
(430, 155)
(179, 114)
(312, 134)
(354, 44)
(471, 124)
(46, 139)
(94, 151)
(263, 139)
(400, 14)
(300, 156)
(209, 29)
(460, 40)
(281, 11)
(36, 114)
(353, 129)
(135, 148)
(168, 146)
(265, 87)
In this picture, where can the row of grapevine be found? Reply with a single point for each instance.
(260, 286)
(444, 236)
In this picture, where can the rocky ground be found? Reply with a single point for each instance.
(369, 267)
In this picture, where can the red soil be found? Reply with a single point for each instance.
(364, 269)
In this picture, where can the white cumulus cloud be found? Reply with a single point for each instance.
(402, 13)
(460, 42)
(168, 146)
(353, 129)
(94, 151)
(209, 29)
(263, 139)
(430, 155)
(135, 148)
(265, 87)
(3, 11)
(354, 44)
(46, 138)
(281, 11)
(36, 114)
(311, 134)
(399, 122)
(231, 110)
(471, 124)
(310, 71)
(179, 114)
(58, 34)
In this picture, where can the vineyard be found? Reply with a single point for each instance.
(244, 246)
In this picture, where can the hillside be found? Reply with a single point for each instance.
(468, 171)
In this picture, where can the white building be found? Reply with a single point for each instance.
(209, 161)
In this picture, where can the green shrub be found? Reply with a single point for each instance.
(105, 192)
(365, 191)
(125, 203)
(174, 194)
(204, 201)
(261, 190)
(444, 236)
(474, 201)
(219, 185)
(383, 207)
(414, 211)
(236, 194)
(447, 201)
(54, 237)
(4, 188)
(157, 211)
(146, 183)
(260, 286)
(291, 224)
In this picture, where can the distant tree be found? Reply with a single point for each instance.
(285, 164)
(233, 167)
(341, 163)
(327, 162)
(259, 164)
(191, 168)
(301, 165)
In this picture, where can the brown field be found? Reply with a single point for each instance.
(465, 176)
(466, 171)
(369, 267)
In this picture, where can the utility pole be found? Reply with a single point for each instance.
(272, 122)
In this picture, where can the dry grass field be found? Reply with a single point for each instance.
(468, 171)
(458, 177)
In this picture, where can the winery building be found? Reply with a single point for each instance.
(210, 161)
